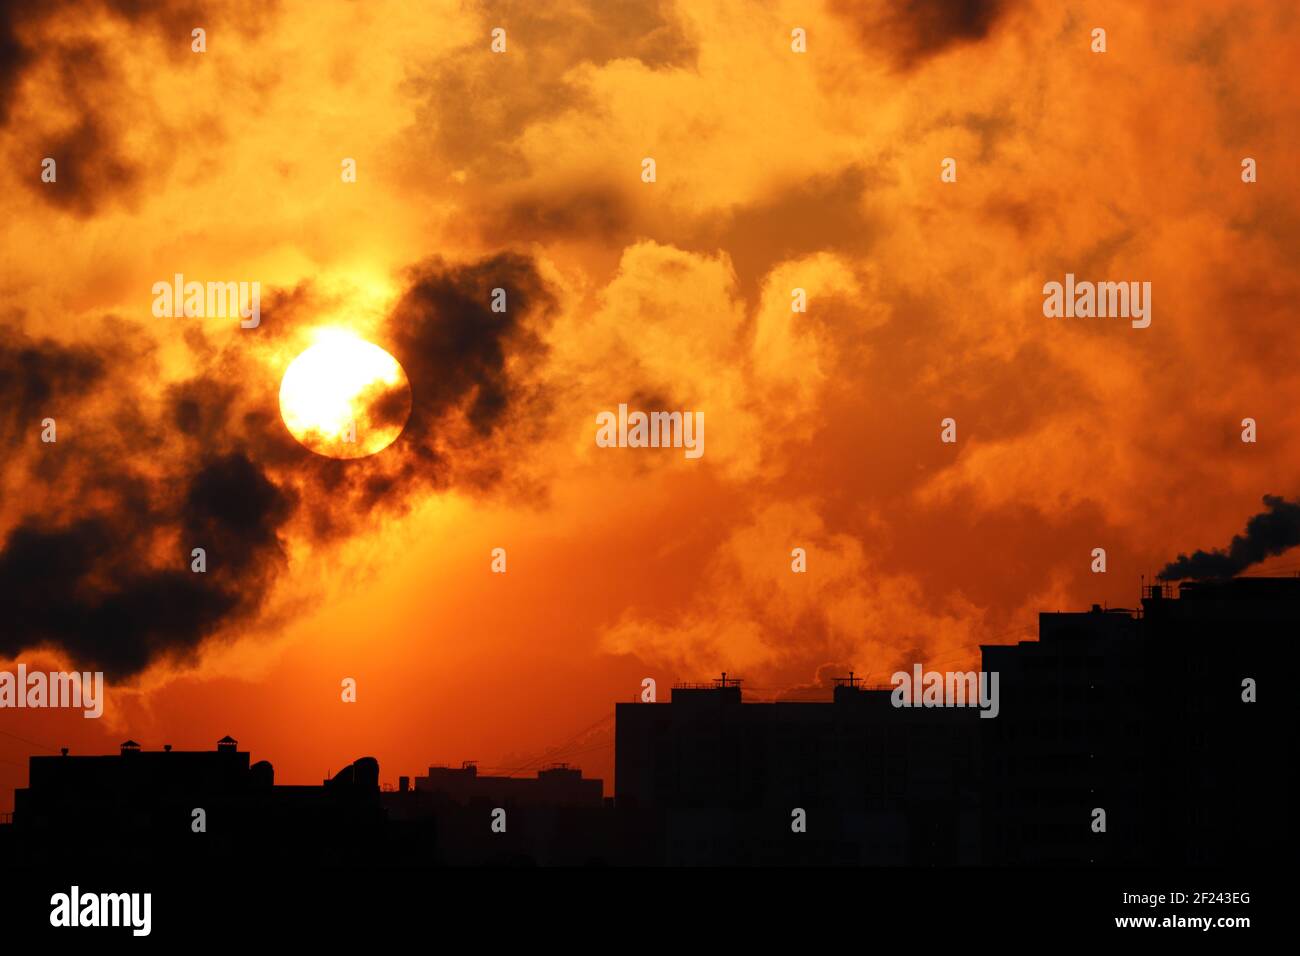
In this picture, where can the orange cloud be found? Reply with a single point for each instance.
(776, 170)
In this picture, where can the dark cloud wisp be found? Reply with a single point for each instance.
(1268, 533)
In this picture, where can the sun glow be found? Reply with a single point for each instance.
(344, 397)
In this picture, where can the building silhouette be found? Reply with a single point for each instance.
(141, 804)
(1141, 715)
(556, 785)
(878, 784)
(555, 818)
(1170, 720)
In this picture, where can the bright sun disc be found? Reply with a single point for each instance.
(344, 397)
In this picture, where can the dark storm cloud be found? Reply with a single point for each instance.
(14, 56)
(94, 166)
(593, 213)
(454, 347)
(468, 369)
(236, 510)
(1267, 534)
(476, 399)
(476, 105)
(91, 165)
(87, 585)
(387, 405)
(91, 168)
(21, 22)
(37, 377)
(285, 310)
(910, 32)
(100, 566)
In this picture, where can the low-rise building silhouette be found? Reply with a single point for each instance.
(192, 805)
(458, 816)
(557, 785)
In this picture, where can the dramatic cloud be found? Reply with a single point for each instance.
(36, 376)
(755, 617)
(455, 347)
(14, 56)
(777, 171)
(86, 587)
(90, 167)
(477, 106)
(86, 111)
(100, 566)
(912, 30)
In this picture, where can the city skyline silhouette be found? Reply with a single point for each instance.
(1148, 715)
(446, 440)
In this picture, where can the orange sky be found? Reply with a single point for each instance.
(775, 170)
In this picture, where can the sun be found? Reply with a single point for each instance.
(344, 397)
